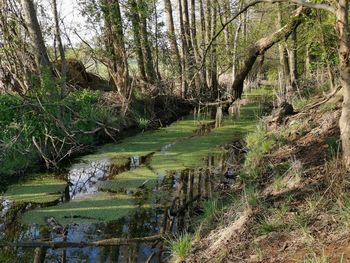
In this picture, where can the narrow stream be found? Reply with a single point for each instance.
(90, 208)
(173, 191)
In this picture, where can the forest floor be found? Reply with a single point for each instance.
(297, 209)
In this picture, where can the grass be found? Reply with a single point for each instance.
(259, 142)
(180, 246)
(300, 103)
(344, 211)
(267, 226)
(316, 259)
(251, 196)
(278, 184)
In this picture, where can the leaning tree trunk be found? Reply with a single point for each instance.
(342, 28)
(262, 45)
(32, 23)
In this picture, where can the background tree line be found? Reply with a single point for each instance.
(200, 50)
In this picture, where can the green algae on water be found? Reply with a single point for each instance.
(102, 207)
(36, 188)
(122, 193)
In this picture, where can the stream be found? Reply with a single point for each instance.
(149, 184)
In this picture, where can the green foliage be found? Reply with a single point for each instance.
(180, 246)
(143, 123)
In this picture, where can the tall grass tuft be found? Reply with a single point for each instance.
(180, 246)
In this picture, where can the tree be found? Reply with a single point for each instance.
(114, 38)
(170, 30)
(39, 48)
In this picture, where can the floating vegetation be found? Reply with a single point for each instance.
(38, 189)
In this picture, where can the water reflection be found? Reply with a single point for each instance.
(172, 202)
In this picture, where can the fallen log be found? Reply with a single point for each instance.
(70, 244)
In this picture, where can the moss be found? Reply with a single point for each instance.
(36, 189)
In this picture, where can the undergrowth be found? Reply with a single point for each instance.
(48, 125)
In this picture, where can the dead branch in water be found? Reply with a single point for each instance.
(69, 244)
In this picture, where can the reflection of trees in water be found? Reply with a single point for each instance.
(179, 192)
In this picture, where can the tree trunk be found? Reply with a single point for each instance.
(262, 45)
(325, 51)
(293, 61)
(148, 58)
(31, 20)
(284, 63)
(208, 26)
(60, 49)
(214, 59)
(169, 21)
(307, 69)
(227, 15)
(196, 59)
(135, 21)
(156, 33)
(234, 55)
(190, 50)
(116, 47)
(203, 71)
(184, 51)
(342, 28)
(211, 17)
